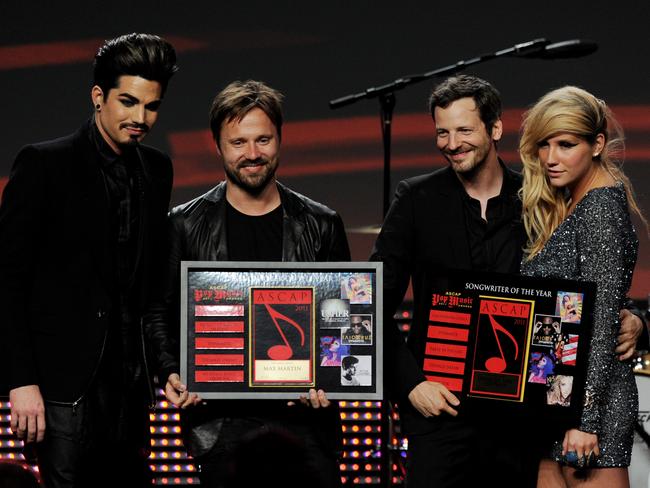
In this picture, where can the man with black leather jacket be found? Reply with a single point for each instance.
(248, 217)
(80, 223)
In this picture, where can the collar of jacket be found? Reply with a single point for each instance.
(293, 220)
(511, 181)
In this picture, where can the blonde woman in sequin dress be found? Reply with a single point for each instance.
(575, 210)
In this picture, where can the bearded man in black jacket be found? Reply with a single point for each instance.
(248, 217)
(80, 225)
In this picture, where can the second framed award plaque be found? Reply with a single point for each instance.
(518, 342)
(275, 330)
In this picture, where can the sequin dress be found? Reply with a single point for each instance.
(597, 243)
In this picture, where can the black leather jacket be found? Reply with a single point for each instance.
(197, 232)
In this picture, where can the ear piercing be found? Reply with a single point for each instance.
(98, 107)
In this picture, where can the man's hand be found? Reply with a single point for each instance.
(27, 413)
(631, 328)
(313, 399)
(176, 392)
(431, 398)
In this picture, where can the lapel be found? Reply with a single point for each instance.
(293, 223)
(143, 195)
(216, 220)
(455, 246)
(93, 199)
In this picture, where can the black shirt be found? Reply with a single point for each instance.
(123, 181)
(254, 238)
(122, 177)
(495, 243)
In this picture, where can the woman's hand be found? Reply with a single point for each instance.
(582, 443)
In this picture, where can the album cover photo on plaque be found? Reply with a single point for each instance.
(275, 330)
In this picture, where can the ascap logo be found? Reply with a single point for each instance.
(279, 296)
(508, 309)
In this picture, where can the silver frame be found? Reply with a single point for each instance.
(245, 266)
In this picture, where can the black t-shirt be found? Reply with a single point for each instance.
(254, 238)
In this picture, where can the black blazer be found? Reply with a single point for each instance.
(423, 230)
(54, 265)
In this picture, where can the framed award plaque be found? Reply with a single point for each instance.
(275, 330)
(513, 339)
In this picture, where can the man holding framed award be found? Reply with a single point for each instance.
(465, 216)
(248, 217)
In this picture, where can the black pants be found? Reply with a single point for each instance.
(457, 454)
(254, 452)
(98, 444)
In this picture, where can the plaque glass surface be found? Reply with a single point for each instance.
(275, 330)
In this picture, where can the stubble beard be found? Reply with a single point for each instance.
(253, 184)
(468, 169)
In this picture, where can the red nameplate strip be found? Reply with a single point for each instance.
(219, 310)
(449, 317)
(230, 376)
(447, 350)
(235, 326)
(452, 384)
(219, 359)
(447, 333)
(442, 366)
(219, 343)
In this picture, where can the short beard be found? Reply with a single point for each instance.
(469, 172)
(252, 189)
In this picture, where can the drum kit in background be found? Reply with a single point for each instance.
(640, 467)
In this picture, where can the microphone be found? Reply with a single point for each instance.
(574, 48)
(528, 49)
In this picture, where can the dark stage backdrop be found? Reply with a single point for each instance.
(314, 53)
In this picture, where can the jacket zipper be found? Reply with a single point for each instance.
(152, 394)
(75, 404)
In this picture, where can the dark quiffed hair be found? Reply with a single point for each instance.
(239, 98)
(486, 97)
(144, 55)
(348, 361)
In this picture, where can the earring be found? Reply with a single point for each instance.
(98, 107)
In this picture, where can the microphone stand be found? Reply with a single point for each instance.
(386, 95)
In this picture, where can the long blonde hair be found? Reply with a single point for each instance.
(575, 111)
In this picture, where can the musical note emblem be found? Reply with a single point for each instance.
(498, 364)
(282, 351)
